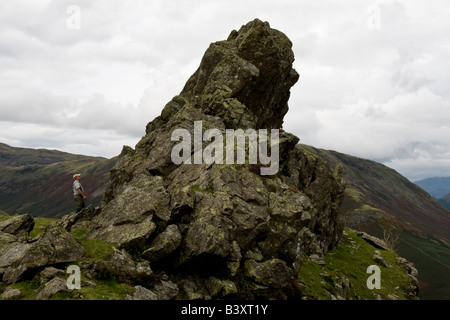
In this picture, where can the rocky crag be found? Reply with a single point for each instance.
(207, 230)
(204, 220)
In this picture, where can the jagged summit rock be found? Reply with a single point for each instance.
(224, 221)
(246, 79)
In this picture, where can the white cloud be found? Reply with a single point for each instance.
(106, 143)
(409, 128)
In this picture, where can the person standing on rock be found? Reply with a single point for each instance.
(78, 192)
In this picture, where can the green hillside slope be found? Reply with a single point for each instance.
(376, 194)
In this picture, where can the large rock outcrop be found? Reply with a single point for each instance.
(21, 258)
(224, 223)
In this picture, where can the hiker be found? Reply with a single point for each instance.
(78, 192)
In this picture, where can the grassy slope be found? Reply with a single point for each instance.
(375, 191)
(350, 259)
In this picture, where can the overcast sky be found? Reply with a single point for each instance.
(87, 76)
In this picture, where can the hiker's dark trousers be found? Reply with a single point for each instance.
(79, 201)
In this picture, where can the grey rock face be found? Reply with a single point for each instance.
(49, 273)
(10, 293)
(52, 287)
(122, 267)
(11, 249)
(253, 71)
(164, 244)
(273, 278)
(413, 273)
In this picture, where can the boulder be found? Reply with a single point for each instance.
(274, 277)
(128, 219)
(11, 251)
(195, 287)
(122, 267)
(54, 286)
(164, 244)
(83, 217)
(166, 290)
(49, 273)
(54, 246)
(19, 226)
(378, 258)
(272, 272)
(10, 294)
(7, 241)
(141, 293)
(316, 258)
(374, 241)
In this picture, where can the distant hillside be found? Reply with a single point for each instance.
(383, 190)
(39, 181)
(437, 187)
(446, 197)
(16, 157)
(445, 201)
(375, 192)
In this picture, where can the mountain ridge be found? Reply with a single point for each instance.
(20, 156)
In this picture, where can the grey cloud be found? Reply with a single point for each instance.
(407, 73)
